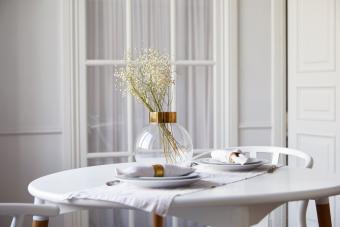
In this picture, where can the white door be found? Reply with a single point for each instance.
(314, 88)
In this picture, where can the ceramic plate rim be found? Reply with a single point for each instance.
(156, 180)
(258, 161)
(188, 176)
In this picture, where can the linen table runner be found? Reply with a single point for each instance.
(156, 200)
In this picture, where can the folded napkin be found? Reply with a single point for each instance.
(164, 170)
(229, 156)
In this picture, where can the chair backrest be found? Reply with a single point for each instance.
(19, 210)
(276, 152)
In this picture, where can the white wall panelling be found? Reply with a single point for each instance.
(316, 103)
(254, 73)
(30, 95)
(311, 57)
(31, 132)
(255, 136)
(255, 125)
(320, 147)
(27, 157)
(262, 79)
(31, 120)
(313, 89)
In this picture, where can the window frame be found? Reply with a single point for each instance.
(225, 61)
(222, 61)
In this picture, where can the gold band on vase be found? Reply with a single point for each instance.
(162, 117)
(158, 170)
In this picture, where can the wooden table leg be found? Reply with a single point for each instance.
(324, 212)
(37, 223)
(157, 221)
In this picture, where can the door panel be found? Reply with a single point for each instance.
(313, 88)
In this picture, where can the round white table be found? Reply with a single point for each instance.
(238, 204)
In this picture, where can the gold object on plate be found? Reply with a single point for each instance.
(158, 170)
(162, 117)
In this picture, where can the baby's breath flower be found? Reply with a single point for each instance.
(148, 78)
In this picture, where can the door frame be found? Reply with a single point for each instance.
(279, 77)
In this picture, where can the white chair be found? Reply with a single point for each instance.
(19, 210)
(276, 153)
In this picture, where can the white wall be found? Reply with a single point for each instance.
(254, 72)
(30, 94)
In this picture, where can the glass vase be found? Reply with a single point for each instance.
(163, 141)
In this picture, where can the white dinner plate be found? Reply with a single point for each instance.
(232, 167)
(191, 175)
(160, 183)
(215, 162)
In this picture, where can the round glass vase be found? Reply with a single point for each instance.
(163, 141)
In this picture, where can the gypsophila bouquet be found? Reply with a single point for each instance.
(148, 77)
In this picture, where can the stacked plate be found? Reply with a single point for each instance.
(251, 164)
(162, 182)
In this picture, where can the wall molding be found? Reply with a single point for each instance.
(317, 65)
(318, 134)
(328, 114)
(31, 132)
(255, 125)
(329, 136)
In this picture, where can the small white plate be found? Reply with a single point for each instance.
(191, 175)
(232, 167)
(160, 183)
(215, 162)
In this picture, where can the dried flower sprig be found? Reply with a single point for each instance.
(149, 78)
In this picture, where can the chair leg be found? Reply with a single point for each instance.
(324, 212)
(302, 213)
(157, 221)
(37, 223)
(17, 221)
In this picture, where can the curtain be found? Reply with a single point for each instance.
(107, 121)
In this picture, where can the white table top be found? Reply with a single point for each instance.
(285, 184)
